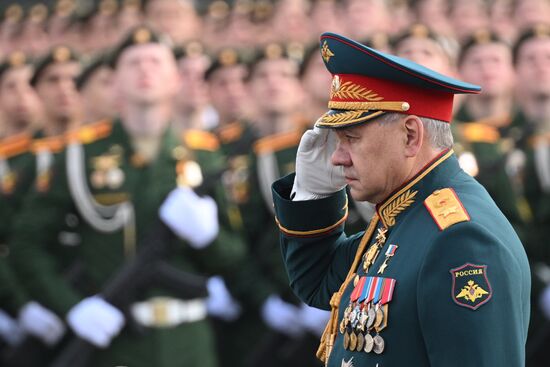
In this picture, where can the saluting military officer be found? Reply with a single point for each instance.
(120, 177)
(439, 277)
(19, 106)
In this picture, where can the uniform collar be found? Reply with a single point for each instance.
(418, 188)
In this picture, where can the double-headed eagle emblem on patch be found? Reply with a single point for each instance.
(471, 287)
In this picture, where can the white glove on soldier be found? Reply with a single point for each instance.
(316, 177)
(220, 303)
(10, 331)
(41, 323)
(191, 217)
(545, 302)
(282, 316)
(314, 319)
(95, 321)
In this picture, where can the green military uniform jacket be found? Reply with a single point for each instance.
(491, 147)
(537, 192)
(17, 171)
(114, 174)
(455, 291)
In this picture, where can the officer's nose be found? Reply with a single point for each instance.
(341, 156)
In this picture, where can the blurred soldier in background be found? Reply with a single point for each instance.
(278, 95)
(193, 109)
(176, 18)
(421, 45)
(315, 82)
(226, 77)
(95, 84)
(19, 105)
(356, 11)
(483, 147)
(532, 55)
(54, 81)
(468, 16)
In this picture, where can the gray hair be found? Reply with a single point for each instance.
(438, 132)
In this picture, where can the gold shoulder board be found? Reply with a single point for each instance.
(90, 133)
(445, 208)
(201, 140)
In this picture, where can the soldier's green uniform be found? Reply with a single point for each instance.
(488, 148)
(439, 278)
(532, 138)
(114, 174)
(16, 175)
(491, 152)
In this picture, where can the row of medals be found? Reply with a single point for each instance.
(361, 319)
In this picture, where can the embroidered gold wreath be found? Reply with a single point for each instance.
(397, 206)
(341, 117)
(349, 90)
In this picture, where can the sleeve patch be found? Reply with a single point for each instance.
(471, 287)
(445, 208)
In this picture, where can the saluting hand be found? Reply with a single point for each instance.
(316, 176)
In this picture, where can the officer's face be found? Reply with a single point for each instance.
(489, 66)
(373, 159)
(18, 100)
(276, 87)
(533, 68)
(228, 91)
(146, 74)
(98, 96)
(425, 52)
(57, 91)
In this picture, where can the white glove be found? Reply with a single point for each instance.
(220, 303)
(191, 217)
(314, 319)
(41, 323)
(10, 331)
(544, 301)
(282, 316)
(316, 176)
(95, 321)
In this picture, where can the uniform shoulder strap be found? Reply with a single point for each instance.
(91, 132)
(446, 208)
(201, 140)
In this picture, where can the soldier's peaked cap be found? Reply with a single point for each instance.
(368, 83)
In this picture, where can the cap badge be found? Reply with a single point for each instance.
(61, 54)
(326, 53)
(142, 35)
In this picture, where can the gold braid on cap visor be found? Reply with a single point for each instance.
(352, 112)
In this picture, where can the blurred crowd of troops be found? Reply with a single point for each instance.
(80, 90)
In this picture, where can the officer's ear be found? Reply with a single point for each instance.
(414, 131)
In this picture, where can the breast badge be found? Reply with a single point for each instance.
(471, 287)
(106, 170)
(8, 178)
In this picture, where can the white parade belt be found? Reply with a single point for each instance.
(159, 312)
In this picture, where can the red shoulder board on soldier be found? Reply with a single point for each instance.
(471, 287)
